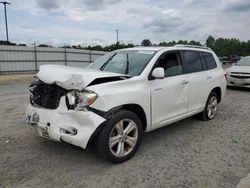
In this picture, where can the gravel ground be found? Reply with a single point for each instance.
(190, 153)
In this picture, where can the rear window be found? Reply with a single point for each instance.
(193, 61)
(209, 60)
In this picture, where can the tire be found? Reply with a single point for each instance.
(120, 138)
(211, 107)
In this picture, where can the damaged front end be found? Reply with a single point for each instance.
(62, 115)
(49, 95)
(46, 95)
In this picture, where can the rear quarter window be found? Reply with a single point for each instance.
(209, 60)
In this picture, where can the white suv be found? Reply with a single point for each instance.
(123, 94)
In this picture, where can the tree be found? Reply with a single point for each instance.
(7, 43)
(182, 42)
(146, 42)
(192, 42)
(44, 45)
(163, 44)
(210, 41)
(21, 44)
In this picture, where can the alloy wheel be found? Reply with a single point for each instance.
(123, 137)
(212, 107)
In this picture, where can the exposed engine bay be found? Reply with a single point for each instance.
(46, 95)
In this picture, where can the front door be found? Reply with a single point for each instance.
(169, 95)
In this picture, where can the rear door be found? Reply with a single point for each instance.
(198, 86)
(169, 95)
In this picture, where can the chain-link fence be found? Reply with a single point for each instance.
(21, 59)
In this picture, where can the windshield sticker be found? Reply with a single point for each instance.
(145, 52)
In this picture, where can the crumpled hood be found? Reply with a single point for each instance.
(71, 77)
(244, 69)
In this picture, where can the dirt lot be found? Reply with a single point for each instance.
(190, 153)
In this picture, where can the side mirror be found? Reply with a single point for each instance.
(158, 73)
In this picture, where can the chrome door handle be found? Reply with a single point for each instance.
(184, 82)
(158, 89)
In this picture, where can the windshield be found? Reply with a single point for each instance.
(129, 62)
(244, 62)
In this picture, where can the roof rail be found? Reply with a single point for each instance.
(192, 46)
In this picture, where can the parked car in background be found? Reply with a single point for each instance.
(224, 60)
(239, 73)
(234, 58)
(229, 59)
(123, 94)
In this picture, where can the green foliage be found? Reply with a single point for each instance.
(21, 44)
(111, 47)
(7, 43)
(196, 43)
(210, 41)
(44, 45)
(146, 42)
(227, 47)
(167, 43)
(172, 43)
(221, 46)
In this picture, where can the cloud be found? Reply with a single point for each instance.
(236, 5)
(192, 2)
(94, 21)
(98, 4)
(48, 4)
(162, 20)
(94, 5)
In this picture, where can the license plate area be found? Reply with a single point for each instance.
(42, 131)
(239, 82)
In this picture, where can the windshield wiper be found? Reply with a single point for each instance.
(127, 66)
(106, 63)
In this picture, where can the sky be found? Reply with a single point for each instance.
(93, 22)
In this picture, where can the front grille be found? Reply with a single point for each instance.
(46, 95)
(240, 73)
(240, 76)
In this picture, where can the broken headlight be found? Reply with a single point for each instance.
(79, 100)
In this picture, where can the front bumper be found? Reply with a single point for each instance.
(239, 82)
(61, 124)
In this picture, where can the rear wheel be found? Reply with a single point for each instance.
(211, 107)
(120, 138)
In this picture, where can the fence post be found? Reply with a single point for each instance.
(65, 55)
(35, 53)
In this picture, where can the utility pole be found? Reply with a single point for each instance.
(117, 41)
(6, 23)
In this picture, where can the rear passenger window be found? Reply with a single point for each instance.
(193, 61)
(209, 59)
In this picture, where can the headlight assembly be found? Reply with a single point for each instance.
(79, 100)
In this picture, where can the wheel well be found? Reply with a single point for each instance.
(217, 90)
(138, 110)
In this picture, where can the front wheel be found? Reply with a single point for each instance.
(120, 138)
(211, 107)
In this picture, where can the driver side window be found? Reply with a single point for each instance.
(171, 63)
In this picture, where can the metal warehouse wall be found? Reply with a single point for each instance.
(29, 59)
